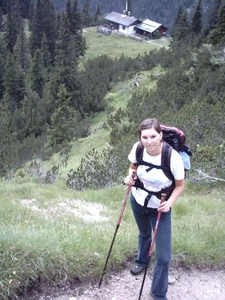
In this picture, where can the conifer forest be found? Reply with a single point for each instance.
(47, 100)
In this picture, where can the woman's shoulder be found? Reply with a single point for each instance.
(175, 156)
(136, 144)
(174, 152)
(132, 154)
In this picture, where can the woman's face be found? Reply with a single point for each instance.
(151, 140)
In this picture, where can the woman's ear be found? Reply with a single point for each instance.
(161, 136)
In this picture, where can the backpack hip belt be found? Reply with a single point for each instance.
(168, 191)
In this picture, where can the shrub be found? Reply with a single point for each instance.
(95, 171)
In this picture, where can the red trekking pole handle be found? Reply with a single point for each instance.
(163, 197)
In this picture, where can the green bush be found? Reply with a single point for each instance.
(96, 171)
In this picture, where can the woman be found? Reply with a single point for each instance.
(154, 180)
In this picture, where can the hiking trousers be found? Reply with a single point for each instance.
(146, 224)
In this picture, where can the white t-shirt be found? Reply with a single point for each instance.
(155, 179)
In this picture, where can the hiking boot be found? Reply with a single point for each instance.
(136, 269)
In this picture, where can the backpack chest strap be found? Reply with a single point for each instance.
(151, 166)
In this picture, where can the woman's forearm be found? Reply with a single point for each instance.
(179, 188)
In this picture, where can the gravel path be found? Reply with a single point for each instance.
(195, 284)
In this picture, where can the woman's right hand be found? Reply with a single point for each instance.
(131, 178)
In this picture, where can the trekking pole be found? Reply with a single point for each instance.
(163, 196)
(117, 227)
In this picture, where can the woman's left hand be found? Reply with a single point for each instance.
(164, 207)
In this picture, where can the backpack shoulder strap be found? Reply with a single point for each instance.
(139, 154)
(165, 160)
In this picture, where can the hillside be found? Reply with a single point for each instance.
(55, 78)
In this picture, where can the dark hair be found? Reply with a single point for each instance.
(148, 124)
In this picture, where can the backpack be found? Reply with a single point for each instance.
(174, 138)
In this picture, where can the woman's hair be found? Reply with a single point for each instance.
(148, 124)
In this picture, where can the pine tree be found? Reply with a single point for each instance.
(76, 18)
(177, 19)
(74, 25)
(62, 128)
(182, 30)
(49, 26)
(31, 11)
(33, 113)
(217, 35)
(38, 73)
(3, 5)
(98, 12)
(21, 50)
(3, 55)
(36, 29)
(13, 24)
(196, 24)
(211, 18)
(1, 20)
(57, 25)
(14, 84)
(73, 17)
(70, 80)
(69, 15)
(25, 4)
(6, 143)
(86, 13)
(79, 45)
(42, 23)
(47, 60)
(221, 22)
(66, 62)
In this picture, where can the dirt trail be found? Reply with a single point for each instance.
(194, 284)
